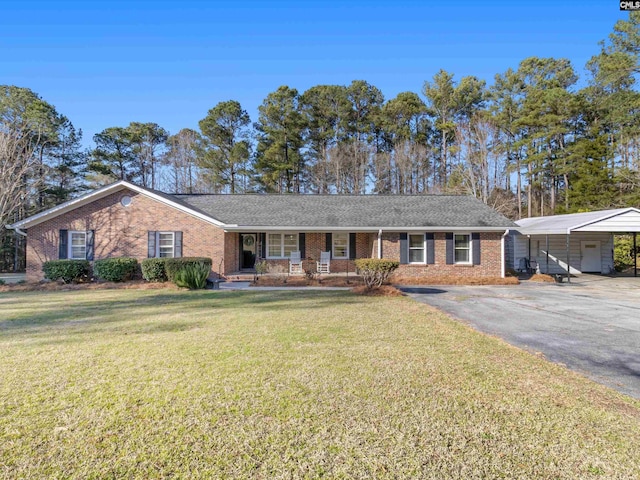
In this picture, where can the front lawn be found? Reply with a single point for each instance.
(166, 383)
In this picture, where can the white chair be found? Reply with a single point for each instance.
(324, 263)
(295, 264)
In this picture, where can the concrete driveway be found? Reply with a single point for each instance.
(591, 325)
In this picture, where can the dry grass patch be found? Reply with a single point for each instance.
(305, 384)
(382, 291)
(46, 286)
(453, 280)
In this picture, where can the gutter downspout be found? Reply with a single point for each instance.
(380, 244)
(503, 253)
(21, 232)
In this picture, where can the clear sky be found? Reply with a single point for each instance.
(106, 64)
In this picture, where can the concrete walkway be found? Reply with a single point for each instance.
(591, 325)
(13, 277)
(247, 286)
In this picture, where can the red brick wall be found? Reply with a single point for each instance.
(122, 231)
(490, 257)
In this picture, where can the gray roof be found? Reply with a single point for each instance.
(563, 224)
(344, 211)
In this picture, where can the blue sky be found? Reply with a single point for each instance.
(106, 64)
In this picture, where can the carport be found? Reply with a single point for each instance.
(571, 244)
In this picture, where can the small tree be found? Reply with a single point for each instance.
(375, 271)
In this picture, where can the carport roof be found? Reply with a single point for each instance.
(619, 220)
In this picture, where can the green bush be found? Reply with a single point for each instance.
(153, 270)
(192, 275)
(623, 255)
(172, 265)
(375, 271)
(67, 270)
(2, 282)
(115, 269)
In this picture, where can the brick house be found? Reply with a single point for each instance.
(428, 234)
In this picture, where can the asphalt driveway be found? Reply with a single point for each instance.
(592, 325)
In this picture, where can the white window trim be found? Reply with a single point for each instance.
(470, 237)
(424, 249)
(333, 245)
(173, 243)
(70, 244)
(282, 234)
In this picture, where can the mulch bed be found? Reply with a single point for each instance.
(56, 286)
(453, 280)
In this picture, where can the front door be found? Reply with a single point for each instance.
(247, 250)
(591, 260)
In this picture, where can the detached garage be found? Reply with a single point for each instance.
(581, 242)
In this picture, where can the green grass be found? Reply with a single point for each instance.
(177, 384)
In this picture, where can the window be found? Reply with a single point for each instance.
(340, 245)
(462, 248)
(416, 248)
(280, 245)
(166, 244)
(77, 245)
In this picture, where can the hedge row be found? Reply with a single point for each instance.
(124, 268)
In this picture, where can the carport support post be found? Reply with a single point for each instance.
(568, 260)
(547, 271)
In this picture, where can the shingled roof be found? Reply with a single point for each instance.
(349, 211)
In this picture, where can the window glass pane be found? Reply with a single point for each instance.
(462, 256)
(462, 241)
(416, 255)
(165, 244)
(416, 248)
(275, 245)
(416, 241)
(462, 248)
(290, 243)
(340, 245)
(78, 246)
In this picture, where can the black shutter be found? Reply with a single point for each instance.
(431, 250)
(63, 246)
(475, 248)
(449, 240)
(263, 245)
(91, 234)
(352, 246)
(177, 244)
(328, 239)
(404, 248)
(301, 245)
(151, 244)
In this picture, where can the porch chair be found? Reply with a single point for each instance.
(295, 264)
(324, 263)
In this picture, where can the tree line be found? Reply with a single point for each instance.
(531, 143)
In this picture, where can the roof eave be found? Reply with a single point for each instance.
(100, 193)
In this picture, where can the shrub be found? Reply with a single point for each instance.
(623, 254)
(66, 270)
(375, 271)
(115, 269)
(2, 282)
(192, 275)
(172, 265)
(153, 270)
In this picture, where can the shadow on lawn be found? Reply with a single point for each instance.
(31, 314)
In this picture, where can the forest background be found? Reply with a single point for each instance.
(531, 143)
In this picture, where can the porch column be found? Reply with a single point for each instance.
(380, 244)
(635, 262)
(568, 259)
